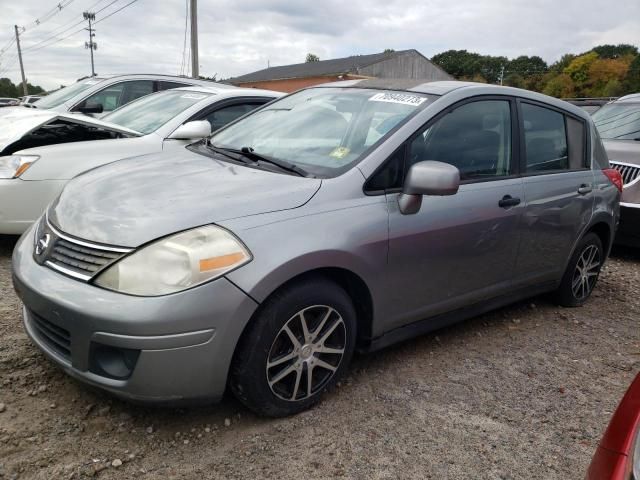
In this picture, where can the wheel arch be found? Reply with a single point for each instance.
(604, 232)
(351, 282)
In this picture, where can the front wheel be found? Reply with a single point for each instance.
(297, 347)
(582, 273)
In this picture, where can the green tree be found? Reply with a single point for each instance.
(7, 88)
(613, 88)
(615, 51)
(490, 67)
(312, 58)
(632, 80)
(388, 50)
(527, 66)
(560, 86)
(560, 65)
(459, 63)
(514, 80)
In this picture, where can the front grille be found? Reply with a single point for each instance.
(73, 257)
(78, 258)
(56, 338)
(630, 173)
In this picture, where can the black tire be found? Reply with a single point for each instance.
(266, 340)
(567, 294)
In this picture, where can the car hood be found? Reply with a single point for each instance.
(627, 151)
(21, 121)
(133, 201)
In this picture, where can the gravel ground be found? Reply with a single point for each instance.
(524, 392)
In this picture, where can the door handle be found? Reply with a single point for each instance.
(585, 188)
(508, 201)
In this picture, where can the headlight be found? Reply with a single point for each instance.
(176, 263)
(15, 165)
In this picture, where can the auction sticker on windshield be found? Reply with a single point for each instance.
(403, 98)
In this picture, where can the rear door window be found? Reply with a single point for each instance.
(221, 116)
(545, 139)
(163, 85)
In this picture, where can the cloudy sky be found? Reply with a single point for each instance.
(241, 36)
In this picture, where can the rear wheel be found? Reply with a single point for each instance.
(298, 346)
(582, 273)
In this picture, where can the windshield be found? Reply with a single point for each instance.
(322, 130)
(58, 98)
(149, 113)
(618, 121)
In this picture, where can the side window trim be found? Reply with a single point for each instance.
(516, 147)
(228, 103)
(565, 114)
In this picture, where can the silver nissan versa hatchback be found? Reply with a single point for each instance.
(341, 217)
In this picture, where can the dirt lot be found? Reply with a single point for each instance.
(524, 392)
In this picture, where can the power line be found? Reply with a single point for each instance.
(36, 47)
(31, 50)
(50, 13)
(116, 11)
(57, 34)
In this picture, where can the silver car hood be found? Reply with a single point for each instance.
(627, 151)
(21, 121)
(131, 202)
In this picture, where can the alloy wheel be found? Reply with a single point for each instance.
(586, 272)
(306, 353)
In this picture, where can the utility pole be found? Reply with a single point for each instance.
(91, 45)
(24, 80)
(501, 74)
(195, 70)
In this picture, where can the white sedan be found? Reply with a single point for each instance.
(32, 175)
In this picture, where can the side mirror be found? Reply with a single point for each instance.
(90, 107)
(427, 178)
(192, 130)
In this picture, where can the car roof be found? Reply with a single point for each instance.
(229, 92)
(176, 78)
(632, 97)
(447, 86)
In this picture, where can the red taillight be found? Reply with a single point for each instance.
(615, 177)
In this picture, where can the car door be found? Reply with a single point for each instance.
(226, 112)
(460, 249)
(558, 190)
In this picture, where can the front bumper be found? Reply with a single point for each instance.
(629, 230)
(24, 201)
(184, 342)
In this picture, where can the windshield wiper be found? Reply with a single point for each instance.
(227, 152)
(282, 164)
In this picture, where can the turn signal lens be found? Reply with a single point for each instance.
(13, 166)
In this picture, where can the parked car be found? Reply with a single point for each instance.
(618, 455)
(65, 145)
(590, 105)
(8, 102)
(97, 96)
(351, 215)
(619, 127)
(29, 100)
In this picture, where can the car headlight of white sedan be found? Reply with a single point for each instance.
(176, 263)
(13, 166)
